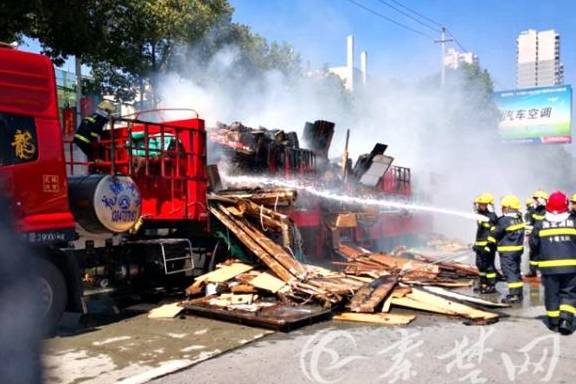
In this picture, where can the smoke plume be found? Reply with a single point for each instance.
(448, 136)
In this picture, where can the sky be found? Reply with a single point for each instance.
(318, 29)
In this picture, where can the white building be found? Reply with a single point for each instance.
(350, 75)
(454, 59)
(538, 59)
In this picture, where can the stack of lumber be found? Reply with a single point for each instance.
(449, 269)
(410, 266)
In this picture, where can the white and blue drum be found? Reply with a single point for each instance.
(105, 203)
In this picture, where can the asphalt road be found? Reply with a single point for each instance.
(432, 349)
(137, 349)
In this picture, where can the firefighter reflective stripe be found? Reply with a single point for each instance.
(82, 138)
(90, 119)
(534, 263)
(557, 263)
(491, 239)
(517, 284)
(516, 227)
(557, 232)
(510, 248)
(568, 308)
(491, 275)
(482, 273)
(94, 134)
(553, 313)
(481, 243)
(538, 217)
(487, 249)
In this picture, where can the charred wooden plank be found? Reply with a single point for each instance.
(247, 240)
(281, 197)
(279, 317)
(370, 295)
(275, 250)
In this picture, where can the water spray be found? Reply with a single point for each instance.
(344, 198)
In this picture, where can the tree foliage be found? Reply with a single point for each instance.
(128, 43)
(472, 73)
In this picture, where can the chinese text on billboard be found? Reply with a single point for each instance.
(536, 115)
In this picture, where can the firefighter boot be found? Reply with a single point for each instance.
(552, 324)
(565, 327)
(512, 299)
(485, 289)
(490, 288)
(481, 287)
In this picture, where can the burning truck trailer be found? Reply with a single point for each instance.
(247, 155)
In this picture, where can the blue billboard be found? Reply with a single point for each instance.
(536, 115)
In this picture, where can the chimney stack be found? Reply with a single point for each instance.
(350, 61)
(364, 66)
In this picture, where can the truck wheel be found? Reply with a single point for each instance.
(51, 288)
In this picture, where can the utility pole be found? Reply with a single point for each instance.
(443, 40)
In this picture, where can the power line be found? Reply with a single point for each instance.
(417, 13)
(390, 19)
(435, 29)
(426, 18)
(456, 41)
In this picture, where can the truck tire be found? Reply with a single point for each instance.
(52, 291)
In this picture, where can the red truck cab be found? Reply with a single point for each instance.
(32, 167)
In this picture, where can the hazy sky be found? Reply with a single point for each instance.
(317, 28)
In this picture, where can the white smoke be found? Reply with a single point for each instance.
(222, 91)
(447, 136)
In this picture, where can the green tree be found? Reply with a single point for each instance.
(129, 43)
(472, 73)
(16, 18)
(122, 40)
(63, 27)
(144, 36)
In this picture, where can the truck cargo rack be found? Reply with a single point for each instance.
(167, 160)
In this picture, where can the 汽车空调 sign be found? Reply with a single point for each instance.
(536, 115)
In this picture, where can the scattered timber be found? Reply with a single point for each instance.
(276, 290)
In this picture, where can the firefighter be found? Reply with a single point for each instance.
(573, 207)
(484, 245)
(537, 214)
(509, 236)
(553, 242)
(91, 128)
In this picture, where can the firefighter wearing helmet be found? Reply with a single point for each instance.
(91, 128)
(553, 242)
(509, 237)
(484, 244)
(537, 214)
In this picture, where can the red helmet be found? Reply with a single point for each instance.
(557, 203)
